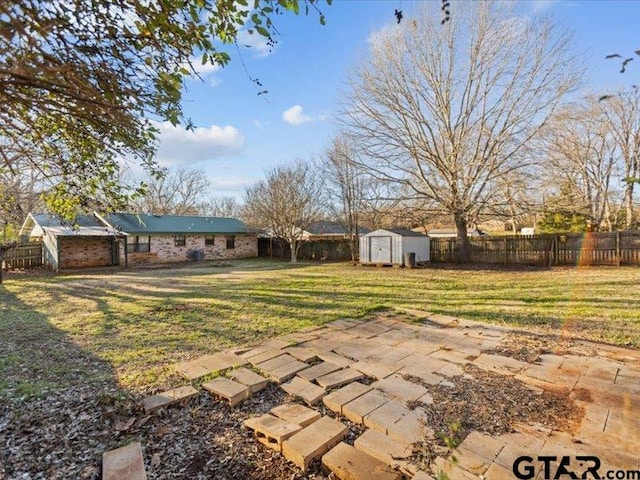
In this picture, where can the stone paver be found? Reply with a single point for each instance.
(295, 413)
(410, 428)
(337, 399)
(400, 388)
(319, 370)
(362, 406)
(500, 364)
(313, 441)
(382, 447)
(334, 358)
(309, 392)
(275, 362)
(303, 354)
(124, 463)
(386, 415)
(209, 364)
(234, 392)
(272, 431)
(339, 378)
(285, 372)
(376, 369)
(265, 355)
(349, 463)
(167, 398)
(249, 378)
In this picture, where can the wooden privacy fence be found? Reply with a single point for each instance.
(23, 256)
(592, 248)
(311, 250)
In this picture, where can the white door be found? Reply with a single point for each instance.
(380, 248)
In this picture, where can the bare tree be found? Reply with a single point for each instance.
(444, 110)
(20, 194)
(221, 207)
(581, 161)
(177, 192)
(623, 115)
(287, 201)
(345, 187)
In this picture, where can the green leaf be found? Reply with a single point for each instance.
(263, 31)
(322, 20)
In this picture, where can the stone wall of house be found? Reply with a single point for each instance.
(77, 252)
(163, 249)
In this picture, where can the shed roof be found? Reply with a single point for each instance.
(170, 224)
(398, 231)
(37, 224)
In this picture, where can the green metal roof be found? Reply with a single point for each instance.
(136, 224)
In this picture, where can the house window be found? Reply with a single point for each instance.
(138, 244)
(209, 240)
(180, 240)
(231, 242)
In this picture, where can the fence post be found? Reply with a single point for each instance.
(618, 248)
(506, 252)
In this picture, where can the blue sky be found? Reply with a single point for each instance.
(240, 134)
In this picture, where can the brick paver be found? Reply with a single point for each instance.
(349, 463)
(362, 406)
(313, 441)
(380, 446)
(272, 431)
(339, 378)
(251, 379)
(234, 392)
(337, 399)
(124, 463)
(319, 370)
(167, 398)
(295, 413)
(304, 389)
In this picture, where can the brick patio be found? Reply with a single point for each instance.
(357, 370)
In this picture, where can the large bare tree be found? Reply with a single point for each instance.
(346, 187)
(221, 207)
(177, 192)
(445, 109)
(623, 115)
(286, 202)
(581, 162)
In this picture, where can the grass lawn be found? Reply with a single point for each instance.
(131, 326)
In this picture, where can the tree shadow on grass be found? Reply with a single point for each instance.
(57, 401)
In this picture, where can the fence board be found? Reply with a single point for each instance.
(592, 248)
(24, 256)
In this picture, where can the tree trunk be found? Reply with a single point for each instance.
(628, 200)
(464, 246)
(294, 251)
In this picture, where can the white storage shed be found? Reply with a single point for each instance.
(388, 247)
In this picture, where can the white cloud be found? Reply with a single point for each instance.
(178, 145)
(195, 64)
(256, 43)
(294, 116)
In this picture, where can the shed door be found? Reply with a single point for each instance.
(380, 248)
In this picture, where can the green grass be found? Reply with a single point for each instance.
(129, 327)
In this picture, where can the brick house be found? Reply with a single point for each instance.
(86, 243)
(133, 239)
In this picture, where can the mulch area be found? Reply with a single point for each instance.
(488, 403)
(528, 346)
(64, 436)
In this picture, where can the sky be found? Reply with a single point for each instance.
(239, 134)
